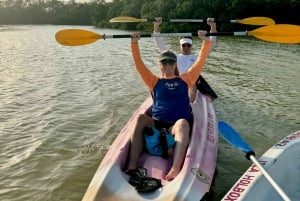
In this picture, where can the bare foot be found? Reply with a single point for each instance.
(129, 170)
(172, 174)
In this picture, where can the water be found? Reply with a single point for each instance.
(61, 107)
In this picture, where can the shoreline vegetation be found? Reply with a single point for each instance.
(98, 12)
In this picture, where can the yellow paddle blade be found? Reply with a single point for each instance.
(76, 37)
(257, 21)
(277, 33)
(126, 19)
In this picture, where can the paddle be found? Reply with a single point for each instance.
(233, 138)
(249, 20)
(277, 33)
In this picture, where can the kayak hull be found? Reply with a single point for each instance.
(110, 183)
(282, 162)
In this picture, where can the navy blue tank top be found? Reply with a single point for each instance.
(171, 100)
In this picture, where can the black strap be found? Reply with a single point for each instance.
(164, 143)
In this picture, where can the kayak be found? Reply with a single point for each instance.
(193, 182)
(282, 163)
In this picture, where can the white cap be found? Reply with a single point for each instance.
(186, 40)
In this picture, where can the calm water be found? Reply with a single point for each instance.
(61, 107)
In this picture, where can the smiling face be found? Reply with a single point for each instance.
(168, 68)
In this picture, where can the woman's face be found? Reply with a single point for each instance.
(168, 67)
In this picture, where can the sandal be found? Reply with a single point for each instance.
(142, 183)
(136, 175)
(148, 185)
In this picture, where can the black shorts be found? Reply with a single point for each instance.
(161, 124)
(168, 125)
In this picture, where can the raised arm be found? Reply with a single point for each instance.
(159, 40)
(213, 28)
(147, 76)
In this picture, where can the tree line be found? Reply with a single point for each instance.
(99, 12)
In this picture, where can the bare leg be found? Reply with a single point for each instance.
(181, 131)
(137, 140)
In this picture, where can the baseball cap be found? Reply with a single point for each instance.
(167, 54)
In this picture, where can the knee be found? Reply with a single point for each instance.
(183, 124)
(141, 122)
(181, 130)
(142, 119)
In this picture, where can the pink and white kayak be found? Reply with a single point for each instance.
(282, 163)
(193, 183)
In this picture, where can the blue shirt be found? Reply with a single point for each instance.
(170, 100)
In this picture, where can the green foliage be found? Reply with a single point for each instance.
(99, 12)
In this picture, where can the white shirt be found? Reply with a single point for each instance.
(184, 62)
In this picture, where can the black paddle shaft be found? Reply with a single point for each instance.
(148, 35)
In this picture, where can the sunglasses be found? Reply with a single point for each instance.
(167, 61)
(186, 45)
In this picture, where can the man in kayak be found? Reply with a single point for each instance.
(171, 107)
(185, 59)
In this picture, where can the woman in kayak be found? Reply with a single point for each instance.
(186, 58)
(171, 107)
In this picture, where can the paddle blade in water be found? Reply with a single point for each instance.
(257, 21)
(76, 37)
(278, 33)
(232, 137)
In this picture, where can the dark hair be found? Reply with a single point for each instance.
(176, 71)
